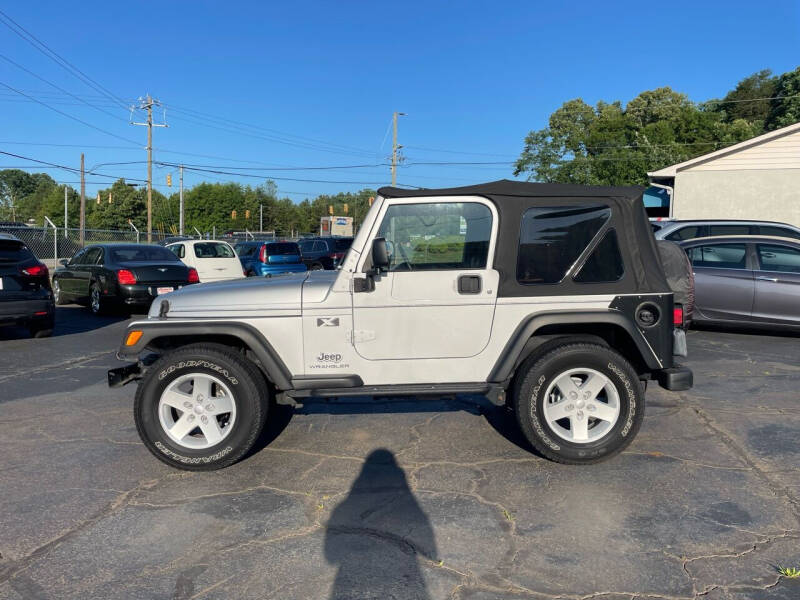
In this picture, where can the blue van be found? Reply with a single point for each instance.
(265, 259)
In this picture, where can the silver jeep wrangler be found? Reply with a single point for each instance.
(550, 297)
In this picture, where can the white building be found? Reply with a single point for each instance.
(755, 179)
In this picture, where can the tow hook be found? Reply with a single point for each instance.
(124, 375)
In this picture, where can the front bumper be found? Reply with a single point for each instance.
(675, 379)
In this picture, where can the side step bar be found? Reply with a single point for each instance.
(419, 389)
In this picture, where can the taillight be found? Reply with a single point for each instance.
(39, 270)
(677, 315)
(262, 255)
(338, 255)
(126, 277)
(193, 276)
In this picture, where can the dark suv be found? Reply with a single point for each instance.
(324, 252)
(25, 294)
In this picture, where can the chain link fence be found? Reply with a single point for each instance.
(51, 243)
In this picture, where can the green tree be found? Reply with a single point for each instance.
(785, 108)
(614, 145)
(748, 100)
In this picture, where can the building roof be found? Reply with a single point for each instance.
(672, 170)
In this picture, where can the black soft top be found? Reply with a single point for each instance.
(643, 270)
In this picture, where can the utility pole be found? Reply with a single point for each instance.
(180, 224)
(83, 202)
(66, 221)
(395, 147)
(261, 218)
(147, 104)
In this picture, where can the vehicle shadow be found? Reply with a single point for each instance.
(500, 418)
(750, 330)
(70, 319)
(378, 534)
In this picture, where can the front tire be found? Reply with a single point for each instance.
(201, 407)
(578, 403)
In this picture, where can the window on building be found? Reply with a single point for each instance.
(552, 238)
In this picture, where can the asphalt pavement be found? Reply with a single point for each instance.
(398, 498)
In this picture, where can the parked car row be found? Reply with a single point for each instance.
(745, 272)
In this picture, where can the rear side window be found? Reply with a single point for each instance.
(684, 233)
(282, 248)
(552, 238)
(778, 231)
(13, 251)
(718, 256)
(779, 258)
(729, 230)
(604, 264)
(178, 250)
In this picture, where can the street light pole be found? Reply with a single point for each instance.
(180, 224)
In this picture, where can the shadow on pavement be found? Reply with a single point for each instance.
(70, 319)
(500, 418)
(378, 534)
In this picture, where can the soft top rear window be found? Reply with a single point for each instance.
(13, 251)
(143, 254)
(282, 248)
(553, 237)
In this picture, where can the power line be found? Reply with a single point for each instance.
(61, 112)
(66, 168)
(453, 151)
(19, 66)
(221, 172)
(50, 53)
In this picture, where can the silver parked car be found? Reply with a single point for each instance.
(678, 231)
(748, 279)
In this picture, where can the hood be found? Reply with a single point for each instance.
(250, 297)
(317, 286)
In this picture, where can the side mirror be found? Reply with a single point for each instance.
(380, 254)
(63, 262)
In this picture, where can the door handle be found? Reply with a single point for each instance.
(773, 279)
(469, 284)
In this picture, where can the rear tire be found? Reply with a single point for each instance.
(578, 403)
(58, 295)
(170, 399)
(97, 305)
(316, 267)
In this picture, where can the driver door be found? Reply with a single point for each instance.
(438, 297)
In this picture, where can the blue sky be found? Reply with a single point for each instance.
(473, 78)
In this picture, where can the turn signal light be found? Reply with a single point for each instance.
(133, 337)
(193, 276)
(126, 277)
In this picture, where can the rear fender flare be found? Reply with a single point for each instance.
(520, 341)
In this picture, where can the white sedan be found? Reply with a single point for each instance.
(214, 260)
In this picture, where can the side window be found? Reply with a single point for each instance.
(778, 231)
(729, 230)
(719, 256)
(552, 238)
(604, 263)
(78, 258)
(178, 250)
(779, 258)
(684, 233)
(437, 236)
(319, 247)
(305, 246)
(91, 256)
